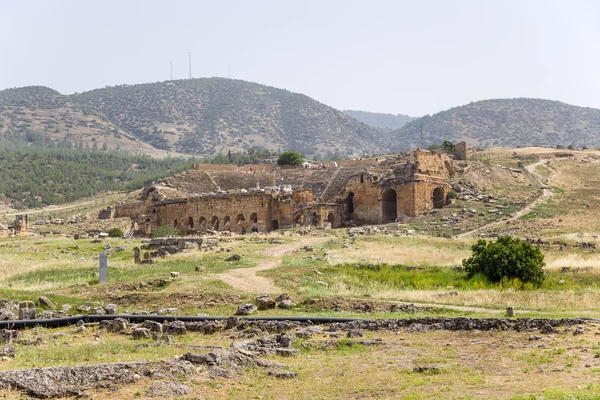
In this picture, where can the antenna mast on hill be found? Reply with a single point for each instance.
(190, 54)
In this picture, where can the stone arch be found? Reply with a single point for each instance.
(389, 205)
(214, 223)
(191, 222)
(299, 219)
(175, 223)
(331, 219)
(350, 203)
(439, 198)
(226, 222)
(202, 223)
(254, 218)
(239, 219)
(274, 225)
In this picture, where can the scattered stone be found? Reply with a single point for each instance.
(546, 329)
(7, 315)
(176, 328)
(7, 335)
(26, 310)
(44, 301)
(286, 304)
(98, 311)
(234, 257)
(246, 309)
(140, 333)
(265, 303)
(510, 312)
(578, 331)
(175, 274)
(110, 309)
(283, 374)
(281, 297)
(429, 370)
(85, 307)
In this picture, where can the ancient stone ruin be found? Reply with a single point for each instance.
(244, 200)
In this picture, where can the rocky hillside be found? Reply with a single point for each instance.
(380, 120)
(194, 116)
(212, 115)
(38, 114)
(506, 123)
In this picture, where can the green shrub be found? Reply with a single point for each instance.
(165, 231)
(290, 158)
(451, 195)
(115, 233)
(507, 258)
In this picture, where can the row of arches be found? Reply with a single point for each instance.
(312, 219)
(214, 223)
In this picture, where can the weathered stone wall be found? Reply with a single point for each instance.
(398, 186)
(215, 167)
(461, 151)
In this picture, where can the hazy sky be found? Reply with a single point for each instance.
(411, 57)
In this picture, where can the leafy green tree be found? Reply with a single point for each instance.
(115, 233)
(290, 158)
(434, 146)
(448, 146)
(506, 258)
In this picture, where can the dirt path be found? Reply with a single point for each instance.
(546, 194)
(247, 280)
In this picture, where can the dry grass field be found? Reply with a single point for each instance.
(374, 276)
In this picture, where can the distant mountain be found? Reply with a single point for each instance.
(506, 123)
(194, 116)
(380, 120)
(35, 114)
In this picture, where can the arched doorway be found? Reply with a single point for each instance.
(275, 225)
(215, 223)
(350, 203)
(202, 223)
(299, 220)
(175, 223)
(191, 222)
(226, 222)
(253, 218)
(389, 206)
(438, 197)
(331, 219)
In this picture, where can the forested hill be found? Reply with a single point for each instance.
(32, 176)
(506, 123)
(380, 120)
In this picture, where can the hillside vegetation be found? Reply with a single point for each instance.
(37, 114)
(506, 123)
(212, 115)
(195, 116)
(380, 120)
(32, 176)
